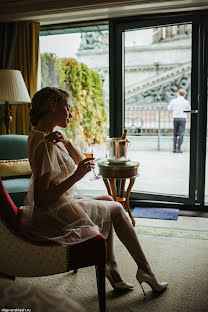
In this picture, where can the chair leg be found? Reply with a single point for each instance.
(100, 275)
(75, 271)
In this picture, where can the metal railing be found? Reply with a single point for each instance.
(151, 121)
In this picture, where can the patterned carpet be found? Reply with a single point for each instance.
(178, 256)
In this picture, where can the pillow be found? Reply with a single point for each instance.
(14, 168)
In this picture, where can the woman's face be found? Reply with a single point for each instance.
(62, 112)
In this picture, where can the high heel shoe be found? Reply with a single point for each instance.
(117, 285)
(153, 283)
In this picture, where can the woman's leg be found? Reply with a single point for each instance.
(111, 260)
(127, 235)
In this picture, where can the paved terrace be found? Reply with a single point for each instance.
(159, 172)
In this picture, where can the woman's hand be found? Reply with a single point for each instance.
(56, 137)
(84, 166)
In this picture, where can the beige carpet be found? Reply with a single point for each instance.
(177, 252)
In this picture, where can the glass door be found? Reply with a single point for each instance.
(160, 105)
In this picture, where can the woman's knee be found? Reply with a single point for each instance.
(108, 197)
(117, 210)
(104, 197)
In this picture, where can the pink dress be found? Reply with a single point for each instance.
(70, 219)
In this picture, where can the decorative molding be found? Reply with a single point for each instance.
(160, 89)
(162, 94)
(145, 68)
(153, 82)
(53, 11)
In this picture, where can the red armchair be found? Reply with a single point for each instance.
(24, 255)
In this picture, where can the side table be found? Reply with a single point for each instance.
(113, 172)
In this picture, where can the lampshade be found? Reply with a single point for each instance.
(12, 87)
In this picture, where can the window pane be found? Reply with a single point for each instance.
(157, 66)
(79, 63)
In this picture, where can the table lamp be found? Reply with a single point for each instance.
(12, 91)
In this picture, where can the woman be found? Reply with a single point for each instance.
(54, 210)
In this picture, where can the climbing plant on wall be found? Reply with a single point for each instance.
(89, 121)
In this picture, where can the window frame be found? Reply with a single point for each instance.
(199, 86)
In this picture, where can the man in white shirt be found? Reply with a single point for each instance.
(178, 106)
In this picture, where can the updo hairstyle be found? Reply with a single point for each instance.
(40, 104)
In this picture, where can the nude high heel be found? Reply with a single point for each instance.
(153, 283)
(117, 285)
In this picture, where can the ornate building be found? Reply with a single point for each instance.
(153, 72)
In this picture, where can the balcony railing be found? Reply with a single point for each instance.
(151, 121)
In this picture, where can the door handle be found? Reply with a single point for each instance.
(192, 111)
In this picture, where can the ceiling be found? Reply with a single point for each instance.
(52, 11)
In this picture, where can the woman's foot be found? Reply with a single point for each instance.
(145, 275)
(116, 280)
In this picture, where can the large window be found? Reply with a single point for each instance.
(149, 59)
(77, 60)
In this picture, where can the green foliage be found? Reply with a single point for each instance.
(89, 121)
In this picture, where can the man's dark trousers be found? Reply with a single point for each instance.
(179, 129)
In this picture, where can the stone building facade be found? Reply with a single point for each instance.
(153, 72)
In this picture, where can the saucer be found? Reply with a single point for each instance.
(117, 161)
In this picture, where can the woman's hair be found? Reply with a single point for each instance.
(40, 104)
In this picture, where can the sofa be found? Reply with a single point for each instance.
(15, 169)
